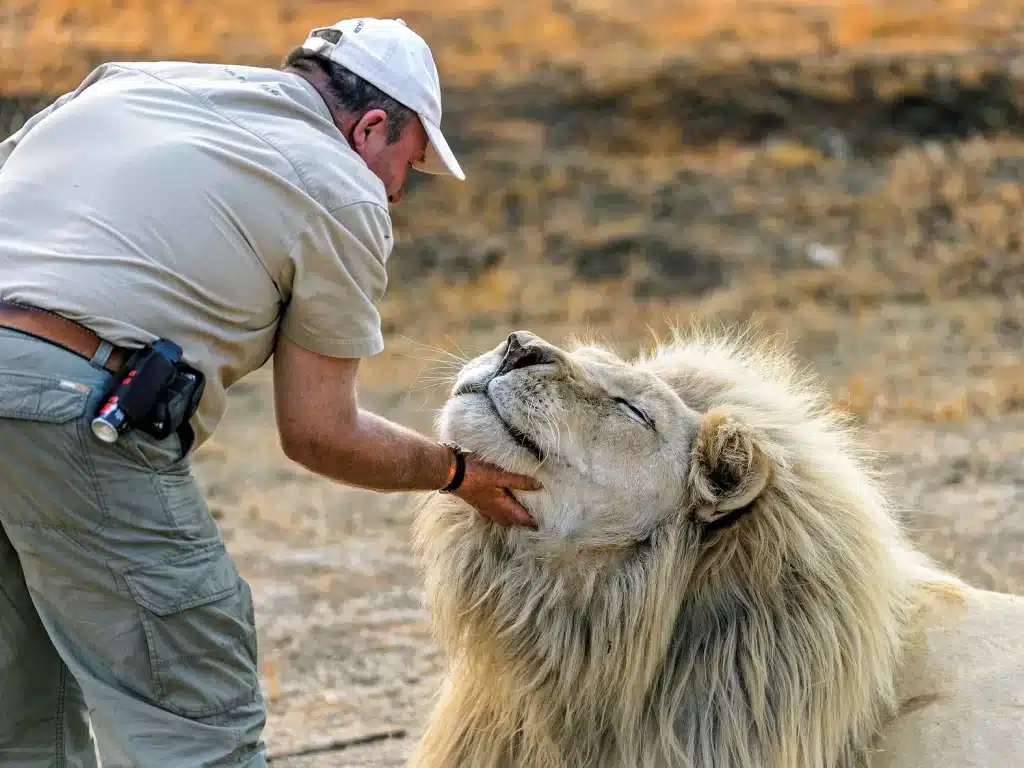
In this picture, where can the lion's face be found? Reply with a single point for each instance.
(610, 442)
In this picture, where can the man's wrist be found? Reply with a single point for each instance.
(456, 469)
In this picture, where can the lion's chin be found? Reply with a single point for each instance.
(473, 423)
(487, 439)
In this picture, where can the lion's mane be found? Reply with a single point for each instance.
(772, 642)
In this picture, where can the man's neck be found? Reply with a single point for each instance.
(342, 119)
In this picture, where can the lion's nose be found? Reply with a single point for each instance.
(523, 350)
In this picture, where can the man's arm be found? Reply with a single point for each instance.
(323, 428)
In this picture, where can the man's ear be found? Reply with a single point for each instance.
(372, 122)
(728, 470)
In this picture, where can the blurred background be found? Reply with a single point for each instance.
(847, 174)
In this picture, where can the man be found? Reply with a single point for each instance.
(238, 212)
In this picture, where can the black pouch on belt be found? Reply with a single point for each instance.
(175, 404)
(156, 392)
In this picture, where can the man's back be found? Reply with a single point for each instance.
(238, 212)
(194, 201)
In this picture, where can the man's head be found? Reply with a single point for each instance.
(380, 83)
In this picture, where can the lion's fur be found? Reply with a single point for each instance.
(773, 642)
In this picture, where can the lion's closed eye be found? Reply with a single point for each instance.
(635, 412)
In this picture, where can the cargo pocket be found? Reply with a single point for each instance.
(164, 456)
(197, 613)
(46, 399)
(45, 458)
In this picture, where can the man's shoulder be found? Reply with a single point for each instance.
(282, 110)
(331, 170)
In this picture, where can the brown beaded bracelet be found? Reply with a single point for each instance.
(457, 472)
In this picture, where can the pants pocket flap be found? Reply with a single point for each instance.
(41, 398)
(185, 582)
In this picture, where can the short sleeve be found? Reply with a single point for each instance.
(339, 274)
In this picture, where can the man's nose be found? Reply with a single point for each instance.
(523, 350)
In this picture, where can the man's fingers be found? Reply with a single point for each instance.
(503, 509)
(496, 476)
(487, 488)
(519, 482)
(517, 512)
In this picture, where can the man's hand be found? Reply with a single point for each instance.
(323, 428)
(486, 488)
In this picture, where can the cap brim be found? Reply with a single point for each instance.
(439, 156)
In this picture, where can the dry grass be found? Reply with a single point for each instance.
(48, 45)
(574, 239)
(920, 319)
(620, 219)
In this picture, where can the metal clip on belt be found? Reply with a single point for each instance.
(64, 333)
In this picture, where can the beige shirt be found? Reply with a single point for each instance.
(212, 205)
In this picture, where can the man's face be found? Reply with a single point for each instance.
(391, 162)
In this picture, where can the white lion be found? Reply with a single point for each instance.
(716, 579)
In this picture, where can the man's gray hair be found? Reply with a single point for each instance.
(352, 93)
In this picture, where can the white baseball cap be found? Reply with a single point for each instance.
(389, 55)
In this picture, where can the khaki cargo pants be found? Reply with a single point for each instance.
(118, 601)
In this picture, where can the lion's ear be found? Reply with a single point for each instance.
(728, 470)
